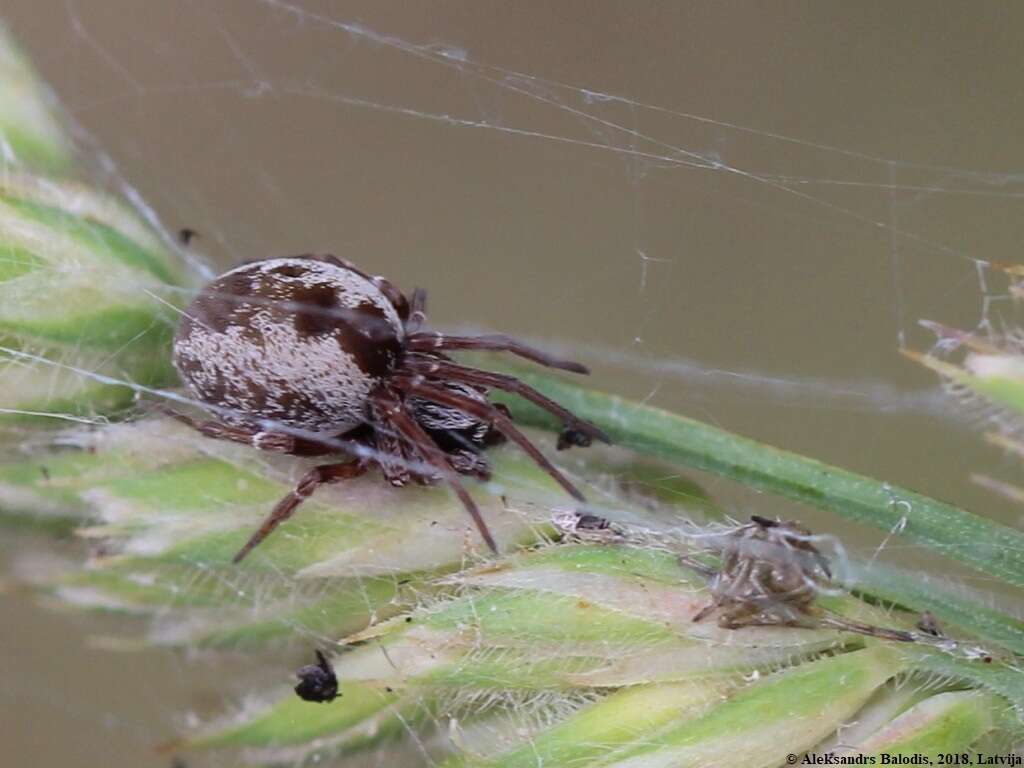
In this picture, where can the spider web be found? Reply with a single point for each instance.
(738, 215)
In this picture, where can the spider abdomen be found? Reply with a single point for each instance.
(300, 341)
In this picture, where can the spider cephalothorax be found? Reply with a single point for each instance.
(306, 355)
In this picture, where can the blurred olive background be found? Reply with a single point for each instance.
(747, 236)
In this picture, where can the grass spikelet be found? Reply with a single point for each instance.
(30, 134)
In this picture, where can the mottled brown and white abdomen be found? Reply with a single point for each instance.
(300, 341)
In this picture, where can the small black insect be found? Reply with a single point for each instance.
(317, 682)
(588, 522)
(928, 624)
(583, 525)
(325, 353)
(186, 235)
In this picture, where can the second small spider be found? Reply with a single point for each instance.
(307, 354)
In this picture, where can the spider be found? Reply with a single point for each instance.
(305, 354)
(771, 573)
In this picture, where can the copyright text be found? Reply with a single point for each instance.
(950, 759)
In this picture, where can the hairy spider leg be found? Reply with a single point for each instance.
(285, 508)
(430, 341)
(268, 441)
(264, 440)
(393, 453)
(849, 625)
(704, 612)
(417, 310)
(394, 413)
(488, 413)
(453, 372)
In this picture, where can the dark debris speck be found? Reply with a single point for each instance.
(317, 682)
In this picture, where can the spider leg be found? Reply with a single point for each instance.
(844, 624)
(257, 438)
(393, 294)
(261, 439)
(394, 413)
(706, 611)
(452, 371)
(393, 455)
(417, 310)
(486, 412)
(285, 508)
(429, 342)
